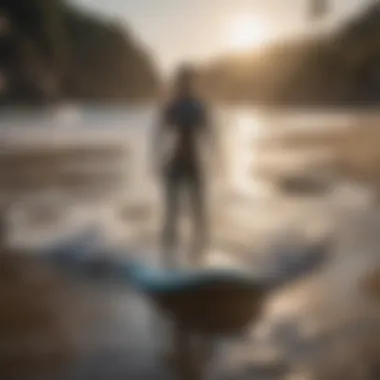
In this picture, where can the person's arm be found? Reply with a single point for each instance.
(209, 129)
(158, 139)
(213, 140)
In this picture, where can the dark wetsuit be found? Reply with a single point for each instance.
(187, 119)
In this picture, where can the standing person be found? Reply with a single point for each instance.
(185, 118)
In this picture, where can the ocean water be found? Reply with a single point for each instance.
(249, 176)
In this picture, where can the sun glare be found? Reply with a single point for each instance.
(247, 32)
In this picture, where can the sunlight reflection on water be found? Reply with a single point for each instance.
(246, 129)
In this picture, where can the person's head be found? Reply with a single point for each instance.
(185, 80)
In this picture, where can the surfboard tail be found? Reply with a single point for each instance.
(84, 256)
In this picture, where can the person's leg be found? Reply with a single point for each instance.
(170, 225)
(199, 214)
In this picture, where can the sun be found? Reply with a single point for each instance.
(247, 33)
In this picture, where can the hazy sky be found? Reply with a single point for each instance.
(176, 30)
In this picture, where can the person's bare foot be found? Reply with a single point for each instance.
(196, 260)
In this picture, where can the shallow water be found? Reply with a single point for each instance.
(240, 134)
(310, 330)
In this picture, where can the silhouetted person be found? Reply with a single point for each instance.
(184, 118)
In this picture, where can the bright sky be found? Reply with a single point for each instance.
(177, 30)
